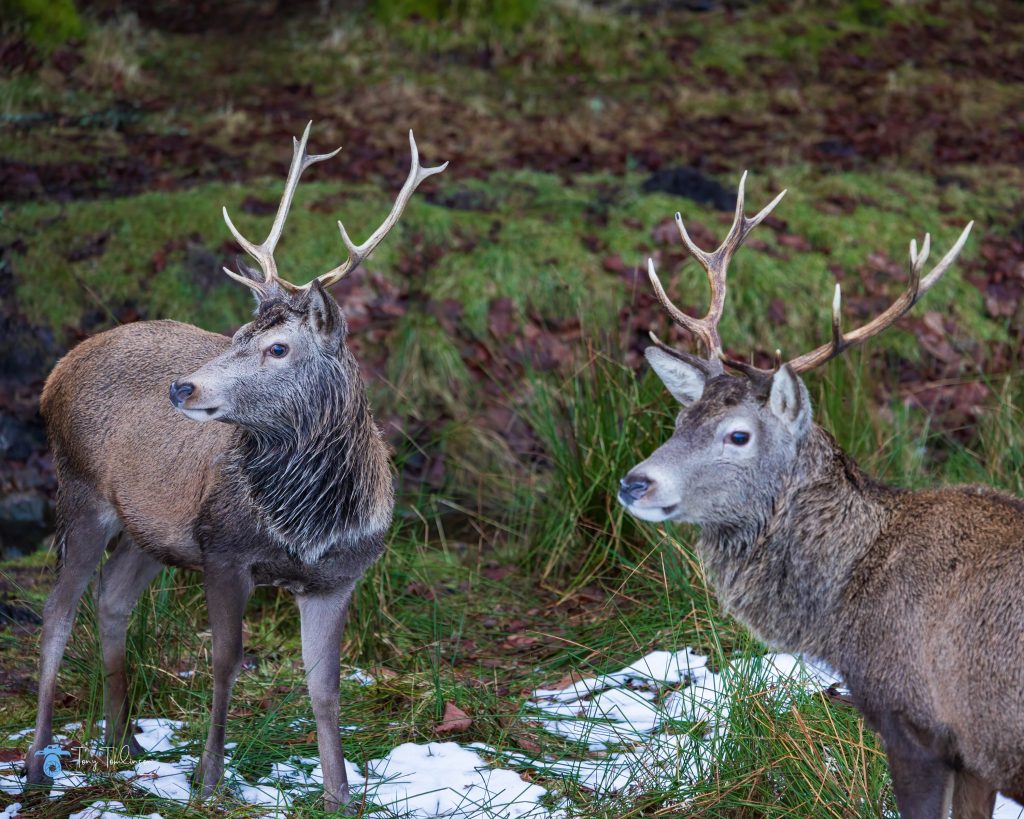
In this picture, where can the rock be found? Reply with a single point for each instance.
(25, 519)
(19, 438)
(692, 184)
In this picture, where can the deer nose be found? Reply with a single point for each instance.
(180, 392)
(632, 488)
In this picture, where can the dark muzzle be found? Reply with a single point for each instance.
(180, 391)
(632, 488)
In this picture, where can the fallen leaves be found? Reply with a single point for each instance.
(565, 681)
(454, 720)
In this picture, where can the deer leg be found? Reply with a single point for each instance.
(323, 621)
(973, 798)
(921, 779)
(123, 578)
(226, 595)
(86, 530)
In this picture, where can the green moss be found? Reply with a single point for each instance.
(47, 23)
(501, 15)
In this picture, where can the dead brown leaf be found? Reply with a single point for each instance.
(454, 720)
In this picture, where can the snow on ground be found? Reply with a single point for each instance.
(108, 810)
(625, 724)
(436, 779)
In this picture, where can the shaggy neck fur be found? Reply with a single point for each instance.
(784, 571)
(318, 475)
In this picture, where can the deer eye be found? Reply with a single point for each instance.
(739, 438)
(277, 350)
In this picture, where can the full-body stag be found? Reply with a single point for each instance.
(293, 489)
(917, 598)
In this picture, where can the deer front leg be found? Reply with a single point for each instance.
(973, 798)
(323, 621)
(226, 595)
(921, 779)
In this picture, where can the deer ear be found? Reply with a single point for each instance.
(684, 381)
(325, 315)
(790, 402)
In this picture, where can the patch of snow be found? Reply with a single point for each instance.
(361, 677)
(12, 784)
(660, 720)
(414, 781)
(657, 721)
(66, 781)
(168, 780)
(445, 779)
(158, 734)
(110, 810)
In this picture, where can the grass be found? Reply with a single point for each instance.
(510, 563)
(428, 621)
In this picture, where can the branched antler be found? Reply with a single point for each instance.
(716, 266)
(916, 288)
(356, 253)
(717, 263)
(264, 253)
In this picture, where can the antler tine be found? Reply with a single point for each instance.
(716, 265)
(916, 288)
(357, 253)
(264, 252)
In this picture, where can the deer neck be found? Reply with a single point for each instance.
(785, 573)
(323, 478)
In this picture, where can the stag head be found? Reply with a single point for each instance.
(276, 359)
(740, 430)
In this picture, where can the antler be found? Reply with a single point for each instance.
(715, 265)
(356, 253)
(264, 253)
(917, 287)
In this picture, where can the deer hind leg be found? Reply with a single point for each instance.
(226, 595)
(973, 798)
(123, 579)
(86, 526)
(323, 621)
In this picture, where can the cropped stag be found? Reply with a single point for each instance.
(914, 597)
(293, 489)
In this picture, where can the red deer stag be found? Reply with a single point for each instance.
(914, 597)
(293, 489)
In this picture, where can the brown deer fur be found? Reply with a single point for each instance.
(916, 598)
(168, 490)
(291, 488)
